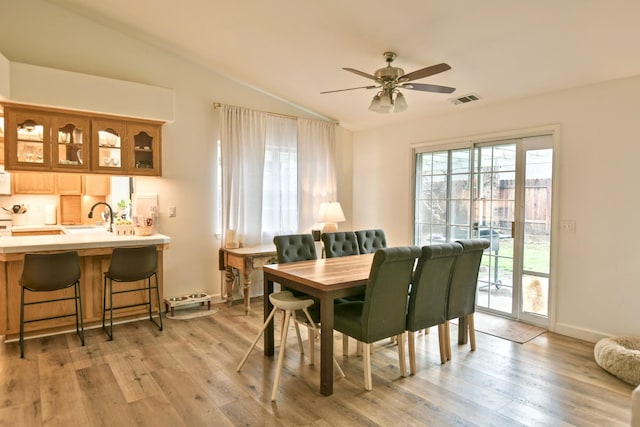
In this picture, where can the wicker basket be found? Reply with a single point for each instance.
(144, 231)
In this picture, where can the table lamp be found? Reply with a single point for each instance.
(331, 214)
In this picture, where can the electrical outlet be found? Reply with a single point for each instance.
(172, 211)
(568, 226)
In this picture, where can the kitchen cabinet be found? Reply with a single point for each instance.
(33, 183)
(68, 136)
(145, 149)
(97, 185)
(68, 184)
(27, 140)
(47, 139)
(108, 148)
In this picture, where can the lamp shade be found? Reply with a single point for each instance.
(400, 104)
(386, 103)
(331, 212)
(375, 103)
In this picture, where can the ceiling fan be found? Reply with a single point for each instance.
(389, 79)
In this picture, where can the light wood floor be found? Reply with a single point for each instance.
(185, 376)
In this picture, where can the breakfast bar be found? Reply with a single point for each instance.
(94, 248)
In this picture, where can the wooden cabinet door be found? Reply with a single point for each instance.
(144, 149)
(68, 183)
(109, 150)
(70, 141)
(27, 140)
(97, 185)
(33, 183)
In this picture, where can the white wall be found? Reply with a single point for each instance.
(39, 33)
(597, 284)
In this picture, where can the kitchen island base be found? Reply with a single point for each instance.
(93, 263)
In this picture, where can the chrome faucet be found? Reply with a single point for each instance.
(110, 213)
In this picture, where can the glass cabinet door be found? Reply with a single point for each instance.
(32, 138)
(70, 137)
(145, 141)
(109, 146)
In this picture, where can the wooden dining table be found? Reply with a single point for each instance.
(326, 280)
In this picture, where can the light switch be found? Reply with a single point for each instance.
(172, 211)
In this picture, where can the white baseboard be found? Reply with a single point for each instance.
(584, 334)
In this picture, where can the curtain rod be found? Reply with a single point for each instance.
(288, 116)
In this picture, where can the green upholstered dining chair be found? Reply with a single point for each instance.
(462, 290)
(340, 243)
(370, 241)
(337, 244)
(295, 247)
(383, 313)
(429, 293)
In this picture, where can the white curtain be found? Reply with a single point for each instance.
(280, 199)
(242, 138)
(316, 169)
(276, 172)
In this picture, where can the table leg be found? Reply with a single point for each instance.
(229, 284)
(268, 332)
(326, 345)
(462, 330)
(246, 287)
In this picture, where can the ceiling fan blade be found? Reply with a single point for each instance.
(427, 88)
(361, 73)
(425, 72)
(351, 88)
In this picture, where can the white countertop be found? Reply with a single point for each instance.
(93, 239)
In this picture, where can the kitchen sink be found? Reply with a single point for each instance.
(83, 229)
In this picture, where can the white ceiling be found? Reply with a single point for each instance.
(295, 49)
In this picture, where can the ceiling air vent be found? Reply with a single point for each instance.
(465, 99)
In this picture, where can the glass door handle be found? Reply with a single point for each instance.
(513, 229)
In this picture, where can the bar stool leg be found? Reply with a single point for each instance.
(78, 301)
(158, 300)
(255, 341)
(22, 325)
(274, 391)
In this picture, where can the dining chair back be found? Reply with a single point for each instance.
(383, 313)
(429, 293)
(340, 243)
(370, 241)
(295, 247)
(46, 273)
(462, 291)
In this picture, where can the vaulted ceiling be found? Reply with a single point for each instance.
(295, 49)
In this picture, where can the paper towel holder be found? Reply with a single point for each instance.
(50, 215)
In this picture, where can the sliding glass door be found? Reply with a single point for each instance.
(501, 191)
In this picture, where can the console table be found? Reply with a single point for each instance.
(244, 261)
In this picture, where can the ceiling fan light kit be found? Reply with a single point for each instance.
(385, 102)
(389, 79)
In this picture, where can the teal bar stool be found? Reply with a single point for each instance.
(130, 264)
(49, 273)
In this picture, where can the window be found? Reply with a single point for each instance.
(443, 199)
(280, 178)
